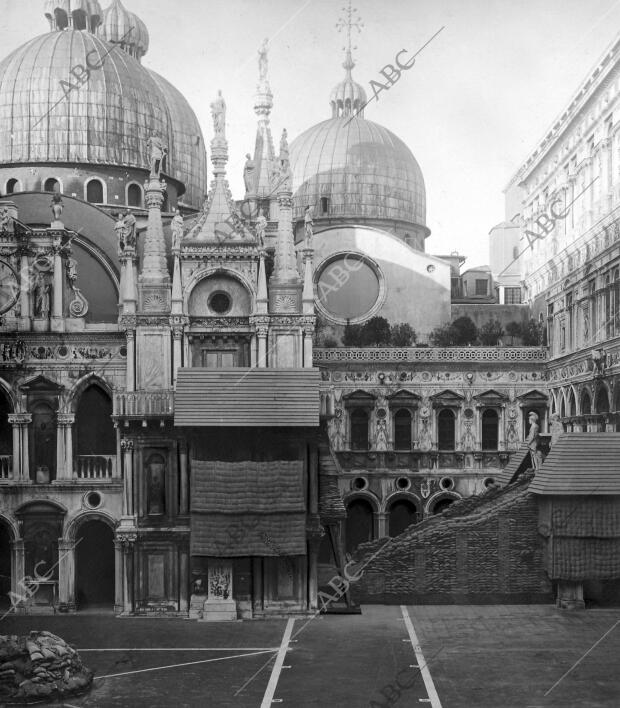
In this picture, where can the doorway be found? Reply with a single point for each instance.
(94, 565)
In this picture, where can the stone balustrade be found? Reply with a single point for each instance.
(428, 354)
(95, 467)
(144, 404)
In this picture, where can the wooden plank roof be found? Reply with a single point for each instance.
(581, 464)
(517, 459)
(242, 397)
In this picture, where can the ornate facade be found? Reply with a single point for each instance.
(171, 439)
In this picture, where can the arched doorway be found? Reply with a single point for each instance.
(403, 513)
(94, 565)
(359, 524)
(5, 567)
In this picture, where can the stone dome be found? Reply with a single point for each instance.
(48, 116)
(349, 167)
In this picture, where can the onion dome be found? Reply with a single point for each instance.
(348, 97)
(126, 29)
(76, 14)
(48, 116)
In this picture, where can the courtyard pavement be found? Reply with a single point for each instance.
(440, 656)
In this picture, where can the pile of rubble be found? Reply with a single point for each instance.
(40, 666)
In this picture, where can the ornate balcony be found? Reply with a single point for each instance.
(95, 467)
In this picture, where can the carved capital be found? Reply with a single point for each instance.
(128, 323)
(65, 418)
(20, 418)
(126, 445)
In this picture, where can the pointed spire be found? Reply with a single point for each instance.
(285, 263)
(177, 287)
(264, 152)
(220, 220)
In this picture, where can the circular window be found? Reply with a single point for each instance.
(403, 483)
(349, 288)
(93, 500)
(359, 483)
(430, 268)
(489, 482)
(220, 302)
(381, 413)
(446, 483)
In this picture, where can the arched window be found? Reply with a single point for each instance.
(572, 408)
(359, 526)
(403, 513)
(586, 403)
(134, 195)
(402, 430)
(94, 192)
(359, 429)
(51, 185)
(562, 408)
(79, 22)
(62, 21)
(490, 428)
(445, 429)
(602, 401)
(94, 430)
(43, 440)
(12, 186)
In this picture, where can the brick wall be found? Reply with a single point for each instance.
(483, 549)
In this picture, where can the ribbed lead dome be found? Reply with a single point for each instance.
(361, 170)
(106, 120)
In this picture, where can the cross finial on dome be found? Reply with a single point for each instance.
(351, 20)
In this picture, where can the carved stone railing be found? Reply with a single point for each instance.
(429, 354)
(95, 467)
(6, 466)
(144, 404)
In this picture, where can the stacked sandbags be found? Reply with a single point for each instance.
(38, 666)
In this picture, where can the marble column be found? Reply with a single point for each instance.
(184, 475)
(119, 577)
(131, 360)
(262, 347)
(183, 579)
(381, 523)
(308, 332)
(66, 574)
(21, 465)
(58, 321)
(128, 501)
(64, 445)
(177, 352)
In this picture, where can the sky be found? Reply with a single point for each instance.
(479, 98)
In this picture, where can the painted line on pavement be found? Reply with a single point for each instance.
(582, 658)
(277, 667)
(424, 670)
(186, 649)
(187, 663)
